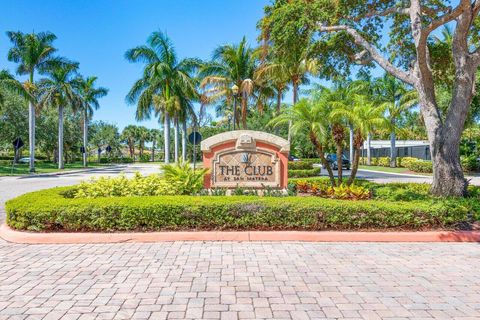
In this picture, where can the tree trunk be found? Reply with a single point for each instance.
(295, 99)
(393, 150)
(153, 150)
(369, 151)
(166, 134)
(85, 137)
(60, 138)
(357, 142)
(175, 136)
(351, 143)
(278, 107)
(244, 110)
(356, 160)
(448, 178)
(99, 154)
(31, 135)
(340, 163)
(321, 154)
(184, 140)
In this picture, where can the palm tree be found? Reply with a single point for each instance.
(275, 75)
(310, 118)
(89, 94)
(32, 52)
(143, 135)
(231, 65)
(365, 116)
(164, 79)
(155, 136)
(58, 91)
(396, 99)
(130, 136)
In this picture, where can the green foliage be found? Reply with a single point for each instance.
(51, 210)
(320, 187)
(300, 165)
(303, 173)
(469, 163)
(188, 180)
(152, 185)
(421, 166)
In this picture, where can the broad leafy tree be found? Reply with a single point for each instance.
(346, 33)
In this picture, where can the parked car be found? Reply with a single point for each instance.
(293, 158)
(332, 160)
(25, 160)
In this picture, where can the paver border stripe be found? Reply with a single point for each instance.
(24, 237)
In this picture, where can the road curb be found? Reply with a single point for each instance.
(397, 174)
(67, 172)
(24, 237)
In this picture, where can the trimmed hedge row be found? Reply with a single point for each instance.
(304, 173)
(50, 210)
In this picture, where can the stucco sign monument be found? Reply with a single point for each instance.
(245, 158)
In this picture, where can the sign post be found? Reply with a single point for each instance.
(195, 138)
(17, 144)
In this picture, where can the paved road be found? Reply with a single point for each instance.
(11, 187)
(231, 280)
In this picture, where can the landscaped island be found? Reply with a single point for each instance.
(310, 205)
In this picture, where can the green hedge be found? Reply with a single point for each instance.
(50, 210)
(304, 173)
(300, 165)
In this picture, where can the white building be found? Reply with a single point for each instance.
(405, 148)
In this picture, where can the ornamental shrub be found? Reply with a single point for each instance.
(469, 163)
(152, 185)
(420, 166)
(184, 177)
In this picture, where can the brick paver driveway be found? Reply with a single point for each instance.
(240, 280)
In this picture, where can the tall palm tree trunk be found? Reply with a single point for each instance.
(369, 149)
(184, 140)
(31, 135)
(295, 99)
(166, 136)
(393, 150)
(278, 107)
(85, 137)
(60, 137)
(351, 143)
(153, 149)
(176, 136)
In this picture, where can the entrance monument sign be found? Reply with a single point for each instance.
(245, 158)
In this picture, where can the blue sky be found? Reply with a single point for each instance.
(97, 34)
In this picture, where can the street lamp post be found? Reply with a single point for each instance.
(235, 92)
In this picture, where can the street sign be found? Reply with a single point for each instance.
(17, 143)
(195, 137)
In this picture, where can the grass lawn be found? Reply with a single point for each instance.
(43, 167)
(386, 169)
